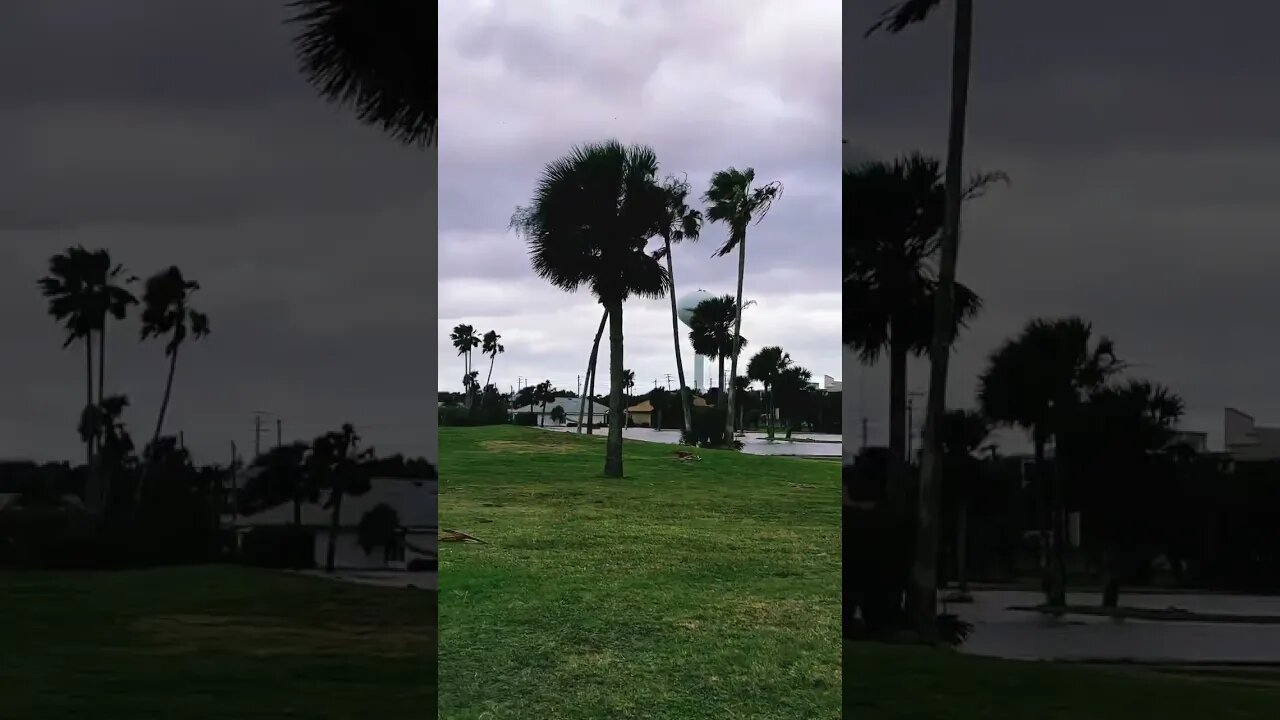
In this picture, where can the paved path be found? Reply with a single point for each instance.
(385, 578)
(1031, 636)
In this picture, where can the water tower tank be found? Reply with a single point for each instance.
(686, 304)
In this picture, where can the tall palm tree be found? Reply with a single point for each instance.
(894, 20)
(679, 223)
(543, 394)
(711, 332)
(1039, 380)
(733, 201)
(764, 367)
(465, 340)
(335, 462)
(892, 226)
(375, 56)
(167, 311)
(490, 346)
(588, 225)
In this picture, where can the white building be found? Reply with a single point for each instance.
(831, 384)
(599, 413)
(415, 503)
(1244, 439)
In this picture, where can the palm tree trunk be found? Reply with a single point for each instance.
(1111, 585)
(899, 483)
(104, 478)
(155, 436)
(90, 483)
(962, 538)
(925, 571)
(613, 446)
(589, 386)
(492, 359)
(737, 334)
(723, 391)
(334, 518)
(686, 401)
(1042, 511)
(1058, 536)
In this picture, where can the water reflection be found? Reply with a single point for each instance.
(1031, 636)
(817, 445)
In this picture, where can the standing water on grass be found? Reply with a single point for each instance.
(802, 444)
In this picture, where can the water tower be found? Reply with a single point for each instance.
(684, 311)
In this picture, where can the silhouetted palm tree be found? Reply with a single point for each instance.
(491, 347)
(543, 394)
(711, 332)
(588, 225)
(894, 20)
(334, 462)
(764, 368)
(375, 56)
(963, 433)
(791, 385)
(167, 311)
(1038, 380)
(733, 201)
(679, 223)
(892, 234)
(465, 340)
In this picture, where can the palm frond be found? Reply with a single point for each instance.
(900, 16)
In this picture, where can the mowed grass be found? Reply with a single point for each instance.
(702, 589)
(212, 642)
(900, 683)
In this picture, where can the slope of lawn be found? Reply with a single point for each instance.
(701, 589)
(212, 642)
(892, 682)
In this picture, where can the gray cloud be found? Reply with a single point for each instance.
(1140, 144)
(185, 135)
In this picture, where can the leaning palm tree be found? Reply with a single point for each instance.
(588, 225)
(679, 223)
(490, 346)
(733, 201)
(375, 56)
(711, 332)
(167, 311)
(894, 20)
(589, 382)
(465, 340)
(1039, 380)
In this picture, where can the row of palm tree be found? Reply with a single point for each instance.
(465, 340)
(589, 225)
(86, 290)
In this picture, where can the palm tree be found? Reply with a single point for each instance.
(731, 200)
(963, 433)
(791, 385)
(764, 367)
(1038, 380)
(166, 310)
(543, 394)
(376, 56)
(892, 225)
(589, 383)
(711, 331)
(334, 462)
(679, 223)
(491, 347)
(588, 225)
(465, 340)
(1119, 430)
(894, 20)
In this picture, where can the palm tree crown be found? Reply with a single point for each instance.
(731, 200)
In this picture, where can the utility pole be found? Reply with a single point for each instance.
(182, 441)
(257, 435)
(668, 376)
(579, 386)
(864, 433)
(235, 490)
(278, 423)
(910, 422)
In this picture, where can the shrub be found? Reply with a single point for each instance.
(455, 416)
(708, 429)
(526, 419)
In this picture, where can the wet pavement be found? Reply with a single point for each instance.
(819, 445)
(1021, 635)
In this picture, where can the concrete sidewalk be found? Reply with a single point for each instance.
(386, 578)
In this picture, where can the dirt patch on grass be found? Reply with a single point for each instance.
(525, 447)
(262, 637)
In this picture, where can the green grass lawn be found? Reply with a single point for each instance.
(212, 642)
(706, 589)
(891, 682)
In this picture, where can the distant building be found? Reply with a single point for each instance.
(415, 503)
(599, 414)
(642, 414)
(1244, 439)
(1196, 440)
(831, 384)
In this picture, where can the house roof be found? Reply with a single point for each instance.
(413, 500)
(570, 406)
(643, 406)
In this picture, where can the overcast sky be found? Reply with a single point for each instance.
(1141, 141)
(708, 85)
(183, 134)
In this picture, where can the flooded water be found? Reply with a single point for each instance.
(810, 445)
(1024, 635)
